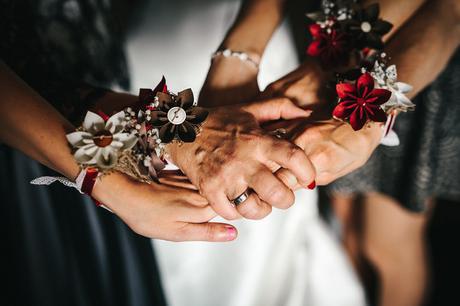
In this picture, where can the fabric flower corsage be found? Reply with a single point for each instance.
(99, 142)
(330, 45)
(132, 141)
(366, 27)
(370, 90)
(177, 117)
(361, 102)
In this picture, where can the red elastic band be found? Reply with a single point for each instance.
(88, 183)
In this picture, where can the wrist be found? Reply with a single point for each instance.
(254, 27)
(373, 132)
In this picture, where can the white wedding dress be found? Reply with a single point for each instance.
(290, 257)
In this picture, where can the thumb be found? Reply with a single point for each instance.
(209, 231)
(275, 109)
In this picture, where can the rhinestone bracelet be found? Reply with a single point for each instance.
(243, 56)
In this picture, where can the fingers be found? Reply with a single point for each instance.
(177, 182)
(254, 208)
(220, 203)
(195, 214)
(275, 109)
(288, 178)
(271, 190)
(209, 231)
(293, 158)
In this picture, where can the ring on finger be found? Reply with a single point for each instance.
(241, 198)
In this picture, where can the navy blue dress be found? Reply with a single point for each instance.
(60, 249)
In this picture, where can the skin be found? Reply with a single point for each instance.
(151, 210)
(233, 153)
(431, 26)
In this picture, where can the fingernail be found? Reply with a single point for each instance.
(231, 232)
(312, 185)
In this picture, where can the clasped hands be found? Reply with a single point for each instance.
(237, 151)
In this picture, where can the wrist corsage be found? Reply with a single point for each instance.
(132, 141)
(344, 32)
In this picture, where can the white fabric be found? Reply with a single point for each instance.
(48, 180)
(290, 258)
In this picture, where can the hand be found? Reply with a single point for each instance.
(229, 81)
(306, 86)
(233, 153)
(161, 212)
(333, 147)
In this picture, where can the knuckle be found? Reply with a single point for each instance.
(250, 210)
(209, 186)
(295, 154)
(276, 196)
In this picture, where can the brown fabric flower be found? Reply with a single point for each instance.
(177, 117)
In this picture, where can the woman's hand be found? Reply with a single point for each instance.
(333, 147)
(229, 81)
(161, 212)
(308, 85)
(233, 153)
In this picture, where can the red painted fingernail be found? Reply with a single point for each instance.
(231, 232)
(312, 185)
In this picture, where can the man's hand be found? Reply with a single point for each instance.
(233, 153)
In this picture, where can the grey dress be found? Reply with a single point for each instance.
(427, 162)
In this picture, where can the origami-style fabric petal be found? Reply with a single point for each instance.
(186, 132)
(85, 155)
(106, 158)
(315, 30)
(93, 123)
(168, 132)
(373, 41)
(115, 124)
(375, 113)
(76, 139)
(314, 49)
(185, 98)
(378, 96)
(343, 111)
(345, 90)
(403, 87)
(364, 85)
(358, 118)
(371, 13)
(197, 115)
(382, 27)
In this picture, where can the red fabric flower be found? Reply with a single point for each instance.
(361, 102)
(332, 48)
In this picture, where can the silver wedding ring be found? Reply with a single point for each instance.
(241, 198)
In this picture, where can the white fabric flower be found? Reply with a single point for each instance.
(387, 79)
(99, 143)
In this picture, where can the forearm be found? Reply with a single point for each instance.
(423, 46)
(31, 125)
(254, 26)
(396, 11)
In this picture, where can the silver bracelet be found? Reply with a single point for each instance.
(241, 55)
